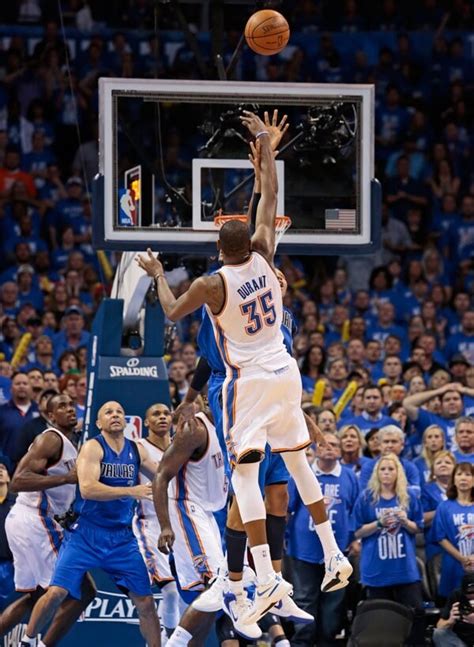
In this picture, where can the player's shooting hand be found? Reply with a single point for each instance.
(276, 130)
(253, 122)
(185, 411)
(166, 540)
(150, 264)
(141, 491)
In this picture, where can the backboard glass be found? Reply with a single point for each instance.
(173, 153)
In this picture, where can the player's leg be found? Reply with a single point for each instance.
(43, 613)
(148, 618)
(169, 606)
(17, 610)
(290, 438)
(193, 628)
(69, 611)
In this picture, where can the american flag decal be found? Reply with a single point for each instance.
(340, 219)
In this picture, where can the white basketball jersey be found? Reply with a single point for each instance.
(56, 500)
(146, 507)
(203, 481)
(248, 327)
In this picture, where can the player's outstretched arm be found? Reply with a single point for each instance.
(189, 437)
(30, 474)
(263, 239)
(88, 475)
(206, 289)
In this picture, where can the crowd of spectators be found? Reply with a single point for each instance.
(397, 325)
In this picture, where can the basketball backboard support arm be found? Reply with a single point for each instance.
(118, 96)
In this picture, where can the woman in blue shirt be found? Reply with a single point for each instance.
(432, 443)
(387, 517)
(454, 529)
(352, 447)
(433, 492)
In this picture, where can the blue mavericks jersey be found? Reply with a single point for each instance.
(431, 496)
(116, 471)
(454, 522)
(340, 490)
(388, 556)
(289, 329)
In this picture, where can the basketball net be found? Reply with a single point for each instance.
(282, 223)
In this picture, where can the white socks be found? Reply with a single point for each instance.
(236, 587)
(262, 561)
(179, 638)
(169, 608)
(326, 537)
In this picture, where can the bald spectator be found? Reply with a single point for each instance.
(392, 441)
(13, 415)
(464, 439)
(452, 406)
(371, 416)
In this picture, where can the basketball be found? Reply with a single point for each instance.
(267, 32)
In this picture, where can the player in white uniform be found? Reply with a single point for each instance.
(146, 528)
(189, 486)
(46, 481)
(262, 390)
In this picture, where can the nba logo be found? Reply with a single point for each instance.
(133, 428)
(127, 208)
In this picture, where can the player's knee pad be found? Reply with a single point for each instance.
(247, 491)
(304, 477)
(169, 605)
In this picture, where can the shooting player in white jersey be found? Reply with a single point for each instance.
(262, 390)
(146, 528)
(189, 486)
(46, 481)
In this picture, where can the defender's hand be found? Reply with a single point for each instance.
(275, 130)
(253, 122)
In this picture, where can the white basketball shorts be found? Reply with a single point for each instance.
(34, 539)
(147, 532)
(263, 407)
(197, 548)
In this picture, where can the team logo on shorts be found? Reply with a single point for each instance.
(200, 563)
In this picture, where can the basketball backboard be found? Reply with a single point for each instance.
(173, 153)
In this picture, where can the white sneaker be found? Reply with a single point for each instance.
(210, 600)
(236, 606)
(288, 609)
(267, 594)
(338, 571)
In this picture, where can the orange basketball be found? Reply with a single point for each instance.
(267, 32)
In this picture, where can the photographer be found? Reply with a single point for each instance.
(455, 627)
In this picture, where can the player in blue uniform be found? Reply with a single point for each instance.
(107, 468)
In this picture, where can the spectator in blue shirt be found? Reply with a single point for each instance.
(433, 441)
(5, 381)
(15, 413)
(371, 416)
(387, 517)
(313, 367)
(433, 492)
(73, 334)
(403, 192)
(352, 448)
(392, 440)
(452, 406)
(464, 439)
(340, 490)
(385, 324)
(463, 341)
(454, 528)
